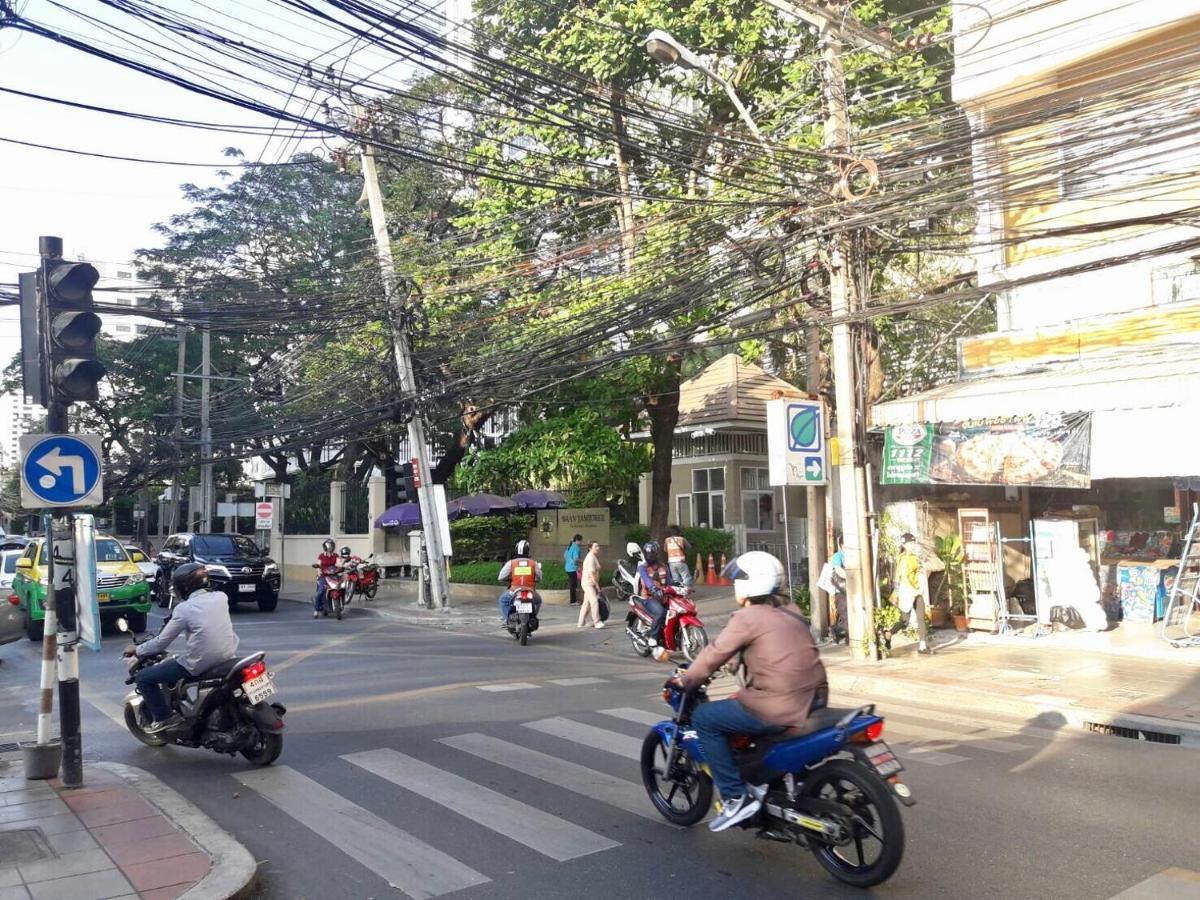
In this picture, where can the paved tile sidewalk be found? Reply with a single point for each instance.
(100, 841)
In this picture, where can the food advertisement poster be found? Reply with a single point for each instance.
(1046, 451)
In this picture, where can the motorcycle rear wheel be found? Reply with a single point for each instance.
(135, 728)
(692, 639)
(696, 787)
(642, 647)
(372, 591)
(523, 629)
(876, 819)
(266, 751)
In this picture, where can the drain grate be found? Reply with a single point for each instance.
(9, 748)
(1136, 734)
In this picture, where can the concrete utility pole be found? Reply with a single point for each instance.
(176, 487)
(818, 549)
(206, 470)
(834, 22)
(434, 558)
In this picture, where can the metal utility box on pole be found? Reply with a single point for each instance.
(434, 556)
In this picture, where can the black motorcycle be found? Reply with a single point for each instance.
(224, 710)
(522, 620)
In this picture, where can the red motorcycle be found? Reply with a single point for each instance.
(683, 630)
(335, 588)
(362, 578)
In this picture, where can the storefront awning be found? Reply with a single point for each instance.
(1145, 414)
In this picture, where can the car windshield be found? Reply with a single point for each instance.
(109, 551)
(225, 545)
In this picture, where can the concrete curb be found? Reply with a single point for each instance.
(892, 687)
(233, 868)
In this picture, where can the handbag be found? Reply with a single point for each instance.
(825, 580)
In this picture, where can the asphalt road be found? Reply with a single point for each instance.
(422, 759)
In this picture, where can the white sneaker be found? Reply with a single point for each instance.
(316, 614)
(651, 642)
(599, 625)
(735, 810)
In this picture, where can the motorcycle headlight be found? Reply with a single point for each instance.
(136, 579)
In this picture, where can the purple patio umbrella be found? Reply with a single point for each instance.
(539, 500)
(399, 515)
(479, 505)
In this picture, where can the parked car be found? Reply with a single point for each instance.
(236, 566)
(148, 566)
(122, 589)
(10, 613)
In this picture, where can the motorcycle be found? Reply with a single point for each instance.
(224, 710)
(522, 620)
(335, 589)
(362, 578)
(682, 630)
(832, 786)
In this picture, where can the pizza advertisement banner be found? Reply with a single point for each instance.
(1044, 451)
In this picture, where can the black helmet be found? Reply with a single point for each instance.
(189, 578)
(344, 553)
(328, 545)
(650, 551)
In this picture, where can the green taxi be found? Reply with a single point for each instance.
(121, 588)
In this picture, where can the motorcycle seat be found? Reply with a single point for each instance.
(818, 720)
(220, 670)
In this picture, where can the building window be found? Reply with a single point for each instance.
(758, 500)
(683, 510)
(708, 497)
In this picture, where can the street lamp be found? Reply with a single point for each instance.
(665, 50)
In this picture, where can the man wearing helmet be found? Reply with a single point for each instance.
(653, 576)
(522, 571)
(327, 557)
(782, 670)
(203, 617)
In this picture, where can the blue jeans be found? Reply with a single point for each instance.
(658, 609)
(680, 573)
(150, 683)
(319, 597)
(506, 605)
(714, 722)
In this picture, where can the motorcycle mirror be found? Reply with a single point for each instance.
(123, 625)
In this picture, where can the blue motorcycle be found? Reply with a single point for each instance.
(832, 786)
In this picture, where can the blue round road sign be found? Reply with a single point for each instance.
(61, 469)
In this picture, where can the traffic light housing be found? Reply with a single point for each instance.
(406, 484)
(74, 371)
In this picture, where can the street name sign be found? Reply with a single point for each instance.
(796, 448)
(60, 470)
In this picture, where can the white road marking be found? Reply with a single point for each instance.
(641, 716)
(638, 676)
(567, 775)
(549, 835)
(1170, 884)
(402, 860)
(917, 753)
(589, 736)
(572, 682)
(510, 686)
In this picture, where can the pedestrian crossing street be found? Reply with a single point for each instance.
(401, 851)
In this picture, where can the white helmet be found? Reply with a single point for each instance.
(522, 549)
(633, 550)
(755, 574)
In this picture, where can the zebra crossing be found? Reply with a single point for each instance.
(402, 852)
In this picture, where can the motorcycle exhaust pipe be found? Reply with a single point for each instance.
(634, 636)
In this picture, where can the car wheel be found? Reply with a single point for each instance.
(137, 621)
(268, 603)
(35, 630)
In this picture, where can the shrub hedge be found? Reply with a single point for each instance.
(554, 576)
(488, 537)
(703, 540)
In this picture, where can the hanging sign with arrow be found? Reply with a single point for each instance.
(61, 470)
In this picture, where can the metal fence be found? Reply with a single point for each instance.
(307, 510)
(358, 509)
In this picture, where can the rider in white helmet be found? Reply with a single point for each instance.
(782, 676)
(521, 571)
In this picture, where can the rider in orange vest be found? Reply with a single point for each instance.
(521, 572)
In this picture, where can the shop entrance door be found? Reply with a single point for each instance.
(981, 561)
(1053, 540)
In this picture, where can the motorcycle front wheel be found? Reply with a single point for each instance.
(877, 845)
(682, 798)
(133, 721)
(693, 639)
(337, 607)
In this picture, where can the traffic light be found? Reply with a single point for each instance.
(406, 483)
(71, 329)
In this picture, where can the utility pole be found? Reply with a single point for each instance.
(434, 559)
(206, 469)
(180, 362)
(818, 550)
(835, 21)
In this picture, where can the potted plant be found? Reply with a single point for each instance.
(949, 550)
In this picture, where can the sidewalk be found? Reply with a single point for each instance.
(124, 834)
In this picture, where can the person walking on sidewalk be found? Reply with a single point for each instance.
(677, 548)
(911, 588)
(571, 558)
(590, 578)
(837, 564)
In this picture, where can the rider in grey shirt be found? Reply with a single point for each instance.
(203, 617)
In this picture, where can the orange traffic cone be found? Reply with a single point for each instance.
(722, 579)
(710, 577)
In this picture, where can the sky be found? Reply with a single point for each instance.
(106, 209)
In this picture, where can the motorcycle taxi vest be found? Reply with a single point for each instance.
(524, 574)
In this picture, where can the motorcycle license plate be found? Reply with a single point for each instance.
(246, 588)
(883, 759)
(103, 598)
(524, 606)
(259, 689)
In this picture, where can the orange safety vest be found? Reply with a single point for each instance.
(524, 574)
(659, 573)
(675, 551)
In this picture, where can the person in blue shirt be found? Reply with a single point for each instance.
(571, 557)
(653, 576)
(841, 631)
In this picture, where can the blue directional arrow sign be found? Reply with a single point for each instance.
(61, 470)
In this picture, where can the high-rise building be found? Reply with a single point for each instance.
(16, 418)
